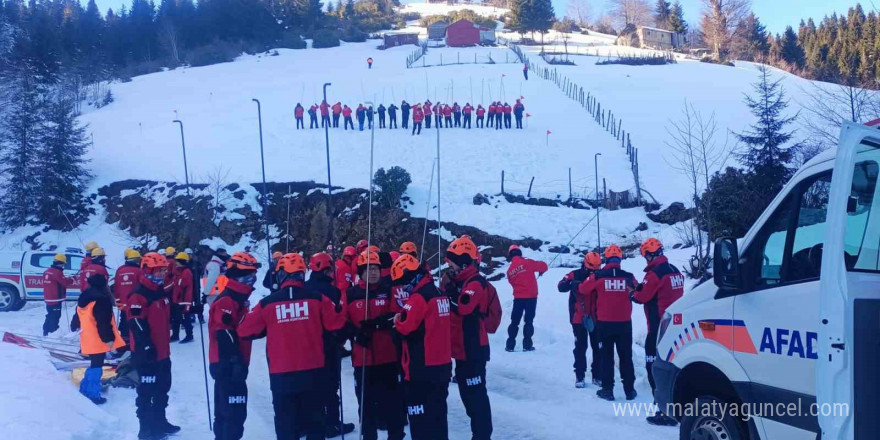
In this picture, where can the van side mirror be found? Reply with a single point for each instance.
(852, 205)
(726, 264)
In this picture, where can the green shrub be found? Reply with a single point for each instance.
(391, 185)
(325, 38)
(291, 40)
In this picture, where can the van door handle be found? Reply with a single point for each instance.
(839, 346)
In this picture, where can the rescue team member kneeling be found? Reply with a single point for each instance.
(427, 352)
(607, 295)
(228, 354)
(149, 314)
(293, 319)
(94, 315)
(374, 356)
(466, 290)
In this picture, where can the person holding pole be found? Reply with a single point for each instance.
(228, 354)
(325, 114)
(583, 336)
(298, 114)
(518, 110)
(404, 114)
(481, 115)
(313, 116)
(427, 112)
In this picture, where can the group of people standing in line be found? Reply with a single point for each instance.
(498, 115)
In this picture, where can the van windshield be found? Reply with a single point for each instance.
(862, 240)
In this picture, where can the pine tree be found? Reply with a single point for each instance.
(62, 175)
(676, 19)
(768, 157)
(541, 16)
(755, 39)
(790, 51)
(519, 20)
(662, 13)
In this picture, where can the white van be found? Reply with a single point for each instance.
(21, 276)
(789, 332)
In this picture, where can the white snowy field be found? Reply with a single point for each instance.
(532, 394)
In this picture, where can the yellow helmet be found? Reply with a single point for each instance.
(98, 252)
(170, 250)
(61, 258)
(182, 256)
(131, 254)
(90, 245)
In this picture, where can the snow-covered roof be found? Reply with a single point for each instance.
(656, 29)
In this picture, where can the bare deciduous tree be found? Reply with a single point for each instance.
(218, 188)
(627, 12)
(831, 105)
(580, 12)
(720, 19)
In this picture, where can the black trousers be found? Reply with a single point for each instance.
(427, 121)
(498, 121)
(230, 408)
(507, 120)
(616, 335)
(526, 74)
(426, 407)
(53, 317)
(292, 410)
(381, 121)
(438, 120)
(300, 123)
(97, 360)
(392, 122)
(467, 121)
(178, 318)
(122, 325)
(152, 391)
(582, 340)
(331, 391)
(417, 126)
(404, 121)
(457, 118)
(480, 122)
(348, 123)
(522, 306)
(325, 121)
(490, 120)
(471, 379)
(335, 121)
(519, 122)
(651, 351)
(383, 400)
(448, 120)
(313, 122)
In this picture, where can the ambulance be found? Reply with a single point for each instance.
(21, 276)
(785, 344)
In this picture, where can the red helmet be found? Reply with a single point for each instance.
(361, 245)
(320, 261)
(349, 251)
(512, 247)
(394, 255)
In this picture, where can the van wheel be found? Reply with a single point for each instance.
(705, 422)
(9, 300)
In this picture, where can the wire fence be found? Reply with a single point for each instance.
(458, 58)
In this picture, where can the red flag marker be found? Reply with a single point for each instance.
(528, 115)
(549, 132)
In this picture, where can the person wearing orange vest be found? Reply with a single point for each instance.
(94, 315)
(55, 286)
(182, 299)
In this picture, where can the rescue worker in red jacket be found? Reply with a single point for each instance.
(424, 326)
(607, 295)
(418, 116)
(346, 115)
(447, 115)
(293, 320)
(325, 114)
(360, 248)
(507, 118)
(438, 115)
(228, 354)
(94, 315)
(125, 281)
(337, 110)
(481, 115)
(170, 253)
(86, 261)
(467, 110)
(466, 290)
(321, 282)
(298, 113)
(576, 311)
(344, 276)
(97, 266)
(518, 110)
(521, 276)
(662, 286)
(427, 110)
(148, 322)
(456, 114)
(313, 116)
(55, 286)
(374, 355)
(182, 299)
(491, 117)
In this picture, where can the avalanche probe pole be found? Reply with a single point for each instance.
(263, 165)
(329, 187)
(183, 143)
(439, 230)
(367, 295)
(598, 205)
(205, 371)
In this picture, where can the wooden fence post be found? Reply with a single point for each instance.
(529, 194)
(502, 182)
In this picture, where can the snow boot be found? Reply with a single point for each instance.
(532, 348)
(90, 386)
(333, 431)
(175, 336)
(631, 394)
(580, 384)
(509, 349)
(597, 382)
(147, 432)
(162, 427)
(187, 339)
(606, 394)
(660, 419)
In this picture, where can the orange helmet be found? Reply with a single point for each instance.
(408, 248)
(276, 255)
(613, 251)
(152, 261)
(243, 261)
(592, 260)
(463, 246)
(349, 251)
(320, 261)
(402, 264)
(651, 246)
(368, 257)
(290, 263)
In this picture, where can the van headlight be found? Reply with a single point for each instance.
(664, 324)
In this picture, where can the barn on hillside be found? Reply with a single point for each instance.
(394, 40)
(462, 33)
(437, 30)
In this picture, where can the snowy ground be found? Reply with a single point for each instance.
(532, 394)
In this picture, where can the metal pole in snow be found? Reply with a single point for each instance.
(598, 205)
(183, 144)
(263, 166)
(439, 235)
(329, 183)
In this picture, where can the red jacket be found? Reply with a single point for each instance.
(438, 110)
(337, 108)
(92, 269)
(346, 112)
(381, 349)
(492, 109)
(663, 285)
(343, 277)
(298, 111)
(425, 327)
(468, 109)
(148, 319)
(447, 111)
(293, 321)
(126, 280)
(507, 109)
(521, 275)
(83, 284)
(325, 109)
(606, 294)
(418, 115)
(313, 109)
(182, 292)
(55, 285)
(576, 307)
(480, 112)
(427, 108)
(224, 317)
(470, 302)
(456, 109)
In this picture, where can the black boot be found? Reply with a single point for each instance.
(333, 431)
(188, 338)
(147, 432)
(162, 427)
(175, 336)
(631, 394)
(660, 419)
(606, 394)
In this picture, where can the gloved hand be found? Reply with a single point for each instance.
(362, 338)
(144, 354)
(238, 370)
